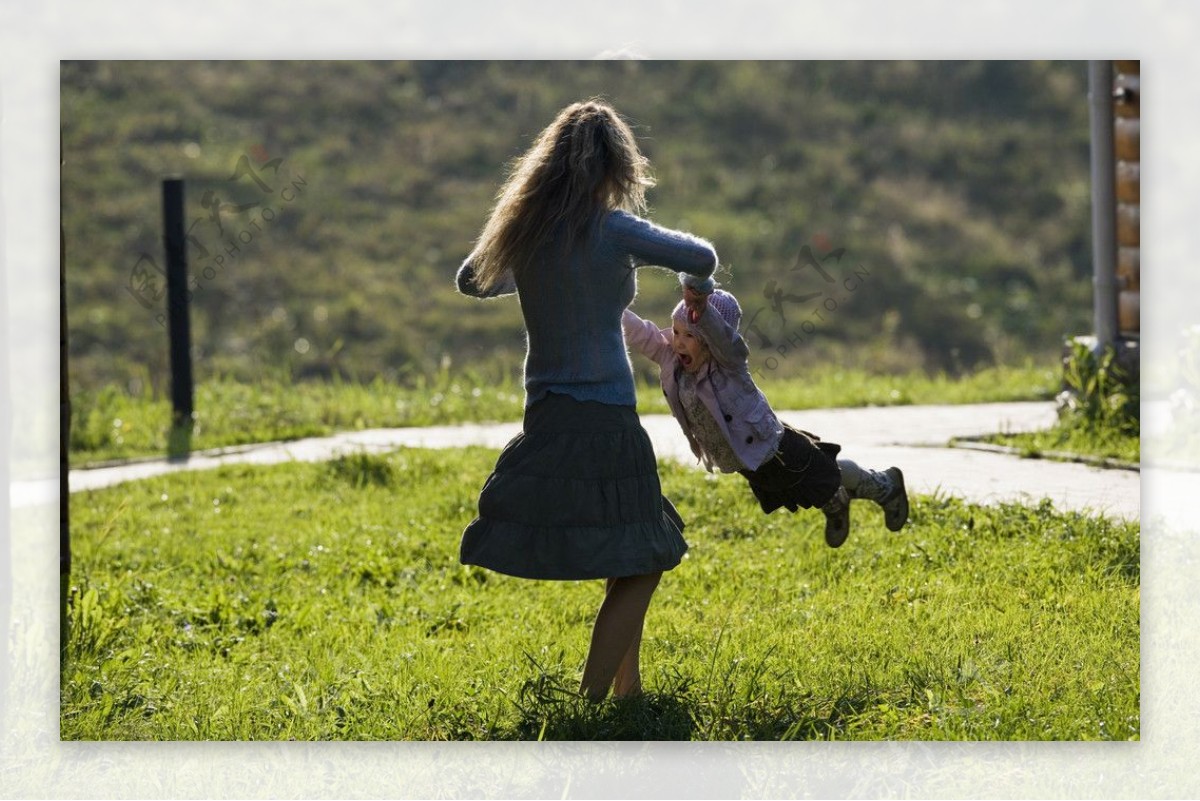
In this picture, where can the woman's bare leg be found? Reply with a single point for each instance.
(628, 681)
(616, 637)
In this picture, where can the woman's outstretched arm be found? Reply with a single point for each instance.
(651, 244)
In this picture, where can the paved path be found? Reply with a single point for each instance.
(913, 437)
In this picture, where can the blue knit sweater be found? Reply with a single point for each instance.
(572, 305)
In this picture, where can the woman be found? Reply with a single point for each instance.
(576, 495)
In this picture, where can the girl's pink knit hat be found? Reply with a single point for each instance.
(722, 302)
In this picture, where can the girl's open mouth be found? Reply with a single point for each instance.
(685, 360)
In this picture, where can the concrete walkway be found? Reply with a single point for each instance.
(913, 437)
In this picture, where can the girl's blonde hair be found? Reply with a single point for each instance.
(584, 163)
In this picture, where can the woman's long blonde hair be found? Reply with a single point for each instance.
(584, 163)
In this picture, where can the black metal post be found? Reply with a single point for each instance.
(178, 321)
(1104, 204)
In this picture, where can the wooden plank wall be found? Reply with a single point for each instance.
(1127, 146)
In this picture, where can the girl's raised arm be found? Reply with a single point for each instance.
(646, 337)
(727, 346)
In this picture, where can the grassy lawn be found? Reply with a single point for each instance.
(112, 424)
(326, 601)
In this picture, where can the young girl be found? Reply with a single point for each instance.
(706, 377)
(576, 495)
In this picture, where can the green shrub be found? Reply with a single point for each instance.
(1100, 395)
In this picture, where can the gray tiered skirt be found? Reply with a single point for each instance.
(576, 495)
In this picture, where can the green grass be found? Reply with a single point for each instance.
(830, 387)
(114, 424)
(326, 601)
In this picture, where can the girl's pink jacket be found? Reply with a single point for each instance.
(723, 384)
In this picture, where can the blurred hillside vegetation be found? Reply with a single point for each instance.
(952, 196)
